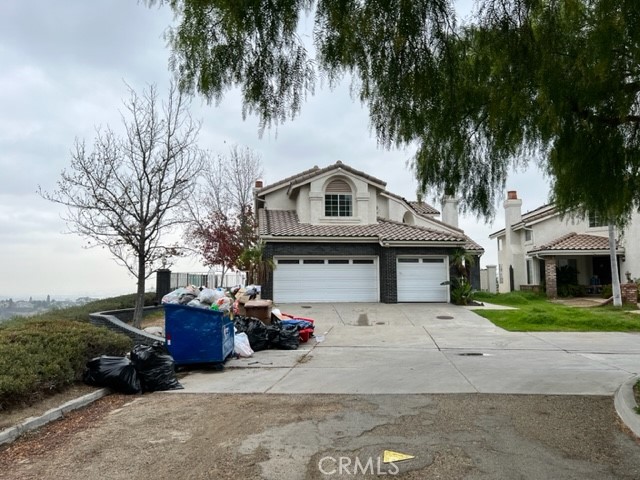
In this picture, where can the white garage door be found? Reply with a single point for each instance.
(420, 278)
(298, 280)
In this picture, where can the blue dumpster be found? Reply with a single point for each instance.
(197, 335)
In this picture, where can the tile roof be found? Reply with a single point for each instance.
(423, 208)
(303, 176)
(285, 223)
(574, 241)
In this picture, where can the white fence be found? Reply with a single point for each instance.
(211, 280)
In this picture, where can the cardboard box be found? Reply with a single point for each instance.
(260, 309)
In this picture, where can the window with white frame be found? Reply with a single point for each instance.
(596, 221)
(338, 199)
(528, 235)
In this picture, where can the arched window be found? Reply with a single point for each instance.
(408, 218)
(338, 201)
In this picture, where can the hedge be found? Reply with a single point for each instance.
(42, 355)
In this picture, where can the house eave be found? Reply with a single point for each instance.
(572, 253)
(288, 238)
(399, 243)
(384, 243)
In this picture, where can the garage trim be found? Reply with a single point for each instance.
(322, 278)
(419, 278)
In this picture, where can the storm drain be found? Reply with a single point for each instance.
(444, 317)
(473, 354)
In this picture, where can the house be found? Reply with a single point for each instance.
(335, 234)
(533, 245)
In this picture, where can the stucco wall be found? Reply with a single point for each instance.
(631, 243)
(279, 200)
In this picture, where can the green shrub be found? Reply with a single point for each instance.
(40, 356)
(607, 291)
(461, 292)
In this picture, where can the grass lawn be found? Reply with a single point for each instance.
(536, 314)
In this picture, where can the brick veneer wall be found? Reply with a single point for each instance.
(386, 261)
(550, 277)
(629, 293)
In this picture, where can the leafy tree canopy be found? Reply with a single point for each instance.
(551, 81)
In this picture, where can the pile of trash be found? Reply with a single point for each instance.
(256, 325)
(215, 299)
(279, 334)
(146, 369)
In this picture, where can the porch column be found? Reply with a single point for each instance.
(163, 283)
(550, 277)
(629, 293)
(491, 279)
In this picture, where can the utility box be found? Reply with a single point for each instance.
(197, 335)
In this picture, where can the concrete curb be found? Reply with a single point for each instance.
(10, 434)
(625, 404)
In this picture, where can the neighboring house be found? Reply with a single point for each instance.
(336, 234)
(532, 245)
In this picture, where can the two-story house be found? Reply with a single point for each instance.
(335, 234)
(534, 244)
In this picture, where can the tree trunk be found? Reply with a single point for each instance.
(615, 277)
(137, 313)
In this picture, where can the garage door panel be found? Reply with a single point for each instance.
(421, 281)
(326, 282)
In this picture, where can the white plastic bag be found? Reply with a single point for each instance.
(241, 345)
(207, 295)
(173, 297)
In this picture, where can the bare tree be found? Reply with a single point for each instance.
(227, 189)
(128, 190)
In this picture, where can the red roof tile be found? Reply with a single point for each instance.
(285, 223)
(574, 241)
(301, 177)
(423, 208)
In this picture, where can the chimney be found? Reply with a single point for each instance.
(512, 209)
(450, 211)
(258, 183)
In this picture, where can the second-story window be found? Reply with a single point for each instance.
(596, 221)
(338, 199)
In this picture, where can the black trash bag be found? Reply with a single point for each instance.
(288, 338)
(256, 332)
(155, 367)
(116, 373)
(273, 334)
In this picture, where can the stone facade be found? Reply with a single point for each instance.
(629, 293)
(550, 277)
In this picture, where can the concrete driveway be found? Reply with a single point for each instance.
(426, 348)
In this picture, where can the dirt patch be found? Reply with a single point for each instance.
(154, 319)
(54, 436)
(197, 436)
(581, 302)
(16, 415)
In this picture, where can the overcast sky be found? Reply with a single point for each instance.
(63, 68)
